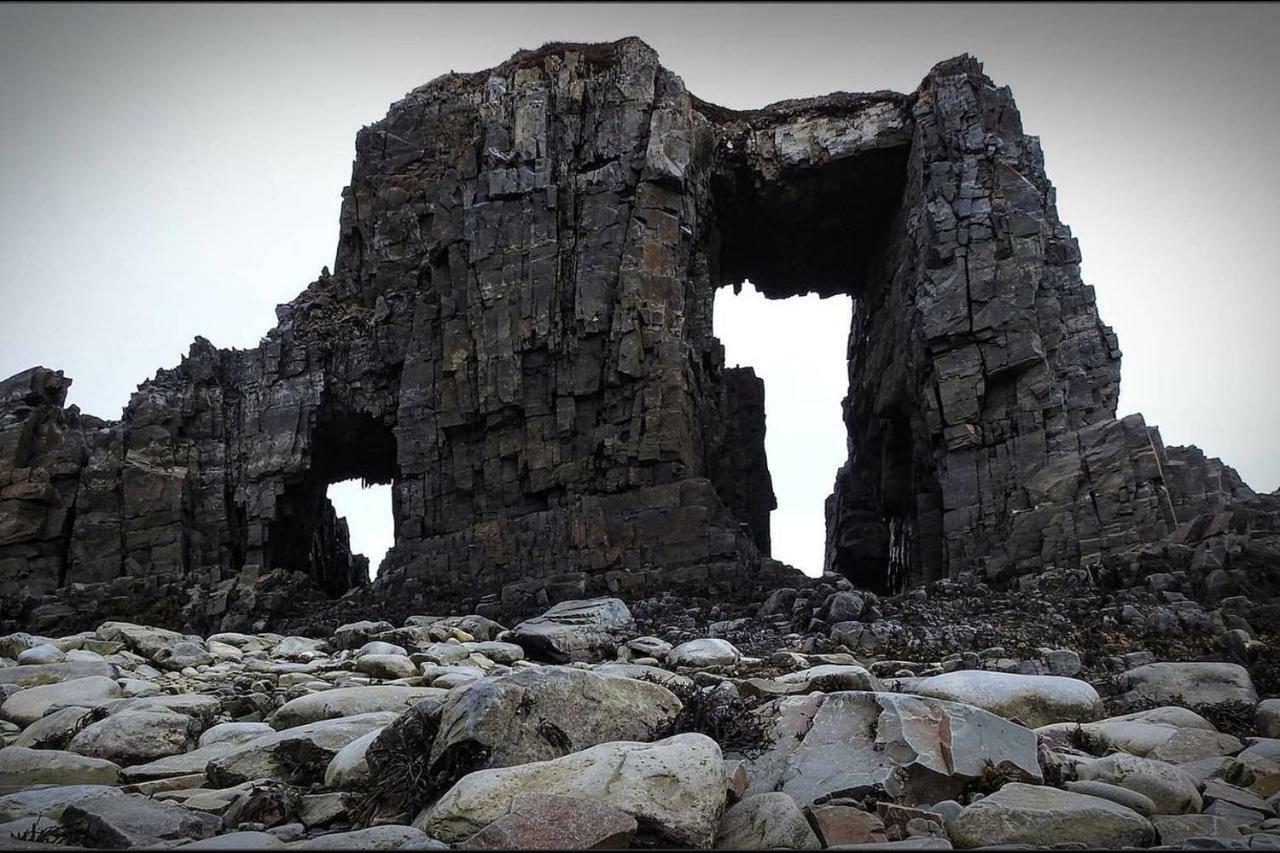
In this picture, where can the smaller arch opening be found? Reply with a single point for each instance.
(309, 534)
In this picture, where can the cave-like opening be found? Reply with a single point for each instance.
(307, 534)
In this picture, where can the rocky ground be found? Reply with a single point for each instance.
(1052, 715)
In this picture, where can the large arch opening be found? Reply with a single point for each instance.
(308, 535)
(819, 229)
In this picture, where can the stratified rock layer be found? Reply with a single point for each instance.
(517, 336)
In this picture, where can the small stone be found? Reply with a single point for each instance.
(769, 821)
(706, 652)
(846, 825)
(386, 666)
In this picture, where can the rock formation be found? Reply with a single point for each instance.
(517, 336)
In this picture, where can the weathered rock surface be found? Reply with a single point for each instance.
(708, 651)
(29, 705)
(1034, 700)
(135, 821)
(911, 749)
(575, 630)
(673, 788)
(386, 837)
(22, 768)
(350, 702)
(348, 770)
(1172, 790)
(1039, 815)
(770, 821)
(295, 754)
(136, 737)
(49, 801)
(1190, 684)
(540, 714)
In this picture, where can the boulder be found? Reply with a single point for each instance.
(349, 702)
(708, 651)
(1172, 790)
(500, 653)
(21, 768)
(133, 820)
(53, 730)
(1169, 715)
(377, 647)
(1034, 700)
(181, 764)
(353, 635)
(349, 769)
(1174, 830)
(1146, 739)
(1190, 684)
(668, 679)
(587, 630)
(27, 706)
(43, 653)
(386, 666)
(649, 647)
(235, 733)
(674, 788)
(297, 755)
(243, 840)
(542, 713)
(198, 705)
(299, 648)
(49, 801)
(1039, 815)
(838, 825)
(36, 675)
(136, 737)
(384, 837)
(1139, 802)
(1266, 718)
(543, 821)
(832, 678)
(166, 649)
(911, 748)
(770, 821)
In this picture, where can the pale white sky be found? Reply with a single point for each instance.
(168, 171)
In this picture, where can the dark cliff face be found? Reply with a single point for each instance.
(517, 335)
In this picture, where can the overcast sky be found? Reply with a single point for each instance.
(173, 171)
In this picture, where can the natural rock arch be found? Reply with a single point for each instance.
(517, 334)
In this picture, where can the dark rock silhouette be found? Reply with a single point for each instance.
(517, 336)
